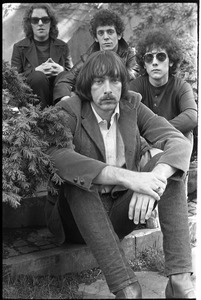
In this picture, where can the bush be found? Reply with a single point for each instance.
(28, 132)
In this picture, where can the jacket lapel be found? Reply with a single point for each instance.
(56, 50)
(30, 53)
(91, 126)
(127, 127)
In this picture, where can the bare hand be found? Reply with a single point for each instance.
(46, 68)
(140, 208)
(147, 183)
(50, 68)
(56, 68)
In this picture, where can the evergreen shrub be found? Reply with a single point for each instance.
(28, 132)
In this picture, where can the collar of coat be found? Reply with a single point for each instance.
(26, 42)
(122, 49)
(82, 114)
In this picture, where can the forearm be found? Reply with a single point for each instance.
(111, 175)
(185, 121)
(164, 170)
(141, 182)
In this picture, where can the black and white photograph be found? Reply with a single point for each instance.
(100, 126)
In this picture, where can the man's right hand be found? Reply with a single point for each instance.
(46, 68)
(141, 182)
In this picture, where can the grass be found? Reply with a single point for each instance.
(66, 286)
(151, 259)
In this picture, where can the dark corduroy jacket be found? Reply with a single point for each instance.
(85, 158)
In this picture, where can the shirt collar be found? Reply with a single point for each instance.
(99, 119)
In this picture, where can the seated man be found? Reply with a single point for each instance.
(104, 195)
(107, 29)
(41, 57)
(159, 55)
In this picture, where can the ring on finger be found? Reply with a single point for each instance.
(159, 191)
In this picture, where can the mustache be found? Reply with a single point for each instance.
(108, 97)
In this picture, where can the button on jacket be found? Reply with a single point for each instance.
(85, 158)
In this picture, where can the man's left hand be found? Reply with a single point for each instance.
(140, 207)
(56, 68)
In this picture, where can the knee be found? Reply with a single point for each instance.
(37, 78)
(147, 156)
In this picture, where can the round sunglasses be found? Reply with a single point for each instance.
(35, 20)
(149, 57)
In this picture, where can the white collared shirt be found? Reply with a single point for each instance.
(114, 145)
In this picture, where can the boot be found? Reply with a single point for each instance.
(133, 291)
(180, 286)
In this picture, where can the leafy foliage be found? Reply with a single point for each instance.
(28, 132)
(16, 91)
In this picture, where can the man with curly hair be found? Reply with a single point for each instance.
(41, 57)
(106, 27)
(159, 55)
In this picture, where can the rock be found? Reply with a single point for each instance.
(192, 177)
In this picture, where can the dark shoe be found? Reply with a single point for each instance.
(132, 291)
(180, 286)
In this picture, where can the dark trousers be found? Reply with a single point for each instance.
(85, 220)
(43, 87)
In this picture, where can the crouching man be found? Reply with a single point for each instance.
(105, 195)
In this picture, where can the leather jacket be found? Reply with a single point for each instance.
(24, 56)
(66, 83)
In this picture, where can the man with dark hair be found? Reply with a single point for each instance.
(159, 55)
(41, 57)
(107, 29)
(105, 194)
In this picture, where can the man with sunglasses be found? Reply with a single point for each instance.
(159, 54)
(41, 57)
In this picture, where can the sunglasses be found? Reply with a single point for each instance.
(149, 57)
(36, 20)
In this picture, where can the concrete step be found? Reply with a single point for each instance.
(35, 252)
(153, 286)
(152, 283)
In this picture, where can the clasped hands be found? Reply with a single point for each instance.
(50, 68)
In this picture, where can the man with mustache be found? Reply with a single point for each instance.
(41, 57)
(107, 28)
(105, 193)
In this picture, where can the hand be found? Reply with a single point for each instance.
(141, 182)
(46, 68)
(50, 68)
(147, 183)
(56, 68)
(140, 208)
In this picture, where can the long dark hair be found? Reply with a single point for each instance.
(27, 24)
(100, 64)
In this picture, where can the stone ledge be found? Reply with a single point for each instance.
(75, 258)
(153, 287)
